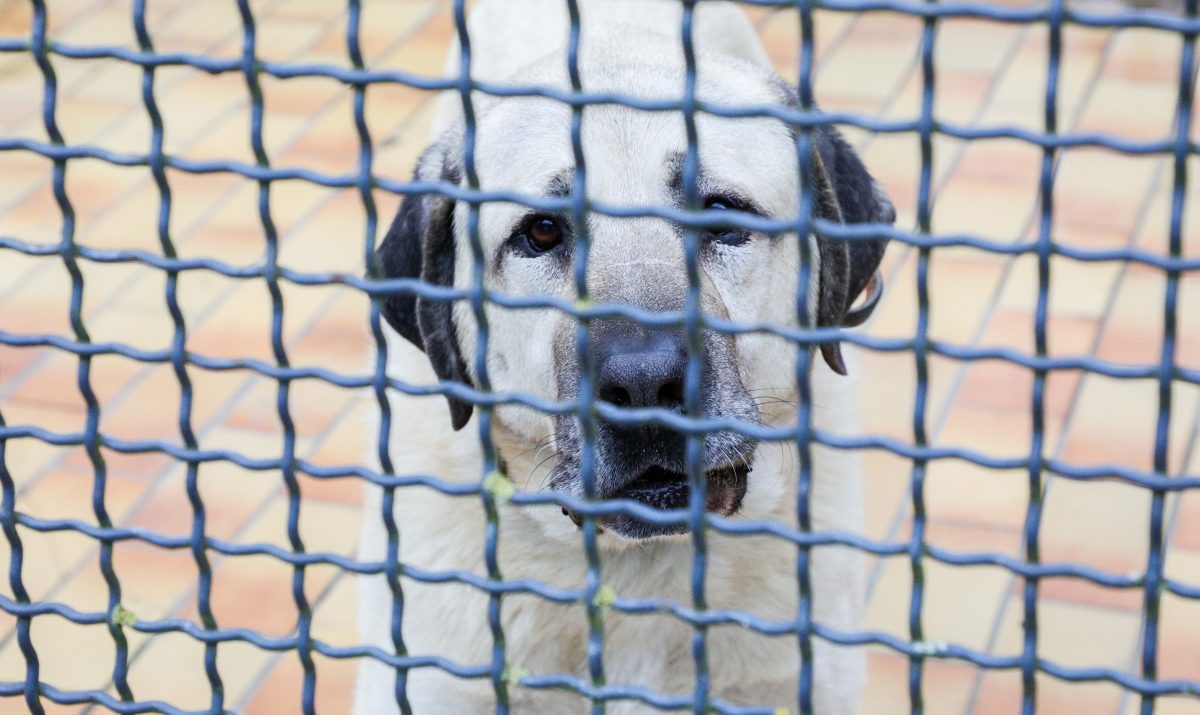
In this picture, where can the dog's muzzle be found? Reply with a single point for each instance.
(667, 489)
(640, 368)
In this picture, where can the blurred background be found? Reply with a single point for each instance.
(1122, 83)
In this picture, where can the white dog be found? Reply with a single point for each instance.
(633, 158)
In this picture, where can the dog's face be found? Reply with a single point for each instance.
(633, 158)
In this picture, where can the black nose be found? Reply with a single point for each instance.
(639, 370)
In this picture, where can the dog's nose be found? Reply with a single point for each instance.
(642, 371)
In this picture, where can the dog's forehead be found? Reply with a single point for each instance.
(631, 154)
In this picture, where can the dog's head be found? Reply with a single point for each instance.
(633, 158)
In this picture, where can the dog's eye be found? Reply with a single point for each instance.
(543, 233)
(729, 235)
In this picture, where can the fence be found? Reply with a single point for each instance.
(1168, 373)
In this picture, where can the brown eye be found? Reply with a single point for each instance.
(544, 233)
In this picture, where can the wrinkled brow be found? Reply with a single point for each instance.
(561, 184)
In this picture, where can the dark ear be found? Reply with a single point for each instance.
(420, 244)
(846, 193)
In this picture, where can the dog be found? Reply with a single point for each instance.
(633, 158)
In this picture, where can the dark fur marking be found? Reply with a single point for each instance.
(844, 193)
(420, 244)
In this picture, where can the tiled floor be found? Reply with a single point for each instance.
(1123, 83)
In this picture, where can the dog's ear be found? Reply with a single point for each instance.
(420, 244)
(846, 193)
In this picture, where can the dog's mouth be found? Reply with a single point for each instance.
(667, 489)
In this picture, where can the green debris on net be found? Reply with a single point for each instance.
(499, 486)
(122, 616)
(604, 597)
(513, 673)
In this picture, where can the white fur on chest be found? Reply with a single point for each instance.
(754, 575)
(443, 534)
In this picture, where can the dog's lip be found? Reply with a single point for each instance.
(668, 489)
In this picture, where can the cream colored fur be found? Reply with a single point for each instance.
(755, 575)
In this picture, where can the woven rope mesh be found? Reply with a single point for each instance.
(190, 355)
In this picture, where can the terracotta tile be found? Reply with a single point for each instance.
(240, 324)
(172, 669)
(153, 578)
(53, 383)
(949, 614)
(332, 239)
(346, 490)
(1135, 335)
(196, 198)
(251, 445)
(1109, 113)
(52, 418)
(970, 278)
(886, 489)
(1076, 289)
(15, 361)
(281, 691)
(866, 71)
(330, 144)
(946, 685)
(1076, 590)
(984, 209)
(340, 338)
(114, 24)
(282, 38)
(241, 584)
(1139, 54)
(1098, 435)
(135, 466)
(1000, 693)
(1101, 189)
(1074, 635)
(314, 404)
(960, 492)
(19, 267)
(889, 384)
(896, 315)
(1179, 642)
(335, 613)
(1186, 533)
(992, 432)
(18, 20)
(63, 493)
(70, 656)
(425, 54)
(231, 497)
(1168, 705)
(1009, 386)
(41, 305)
(1015, 330)
(351, 441)
(232, 235)
(1002, 161)
(1080, 517)
(386, 24)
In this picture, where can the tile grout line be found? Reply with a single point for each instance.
(1133, 238)
(79, 82)
(951, 169)
(133, 113)
(221, 413)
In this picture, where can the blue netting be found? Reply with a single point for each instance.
(1055, 15)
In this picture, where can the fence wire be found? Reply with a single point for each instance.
(1055, 15)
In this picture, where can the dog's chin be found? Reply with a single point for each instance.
(665, 489)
